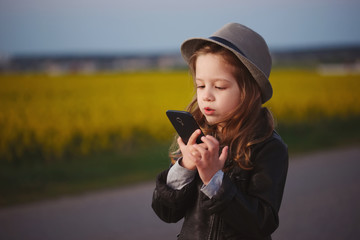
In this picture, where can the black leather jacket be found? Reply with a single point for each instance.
(245, 207)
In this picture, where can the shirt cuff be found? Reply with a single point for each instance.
(178, 176)
(214, 185)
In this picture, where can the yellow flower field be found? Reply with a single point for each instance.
(50, 114)
(306, 95)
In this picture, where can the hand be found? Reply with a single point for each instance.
(189, 152)
(209, 161)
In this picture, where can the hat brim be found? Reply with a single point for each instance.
(191, 45)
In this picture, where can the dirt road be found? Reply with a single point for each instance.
(321, 201)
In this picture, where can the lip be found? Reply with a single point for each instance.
(209, 111)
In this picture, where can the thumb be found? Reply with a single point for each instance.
(180, 142)
(224, 154)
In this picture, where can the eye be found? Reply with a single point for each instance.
(200, 86)
(220, 88)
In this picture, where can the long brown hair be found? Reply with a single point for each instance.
(248, 124)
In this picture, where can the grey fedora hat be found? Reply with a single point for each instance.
(247, 45)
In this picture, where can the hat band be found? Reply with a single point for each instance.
(227, 43)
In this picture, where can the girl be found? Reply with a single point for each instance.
(231, 185)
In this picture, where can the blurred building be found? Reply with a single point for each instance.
(89, 64)
(340, 59)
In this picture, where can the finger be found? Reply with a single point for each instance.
(193, 154)
(224, 154)
(200, 148)
(203, 145)
(193, 137)
(196, 154)
(180, 142)
(211, 143)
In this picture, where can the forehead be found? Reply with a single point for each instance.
(212, 67)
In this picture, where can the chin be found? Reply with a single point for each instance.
(210, 120)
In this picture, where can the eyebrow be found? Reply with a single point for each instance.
(214, 80)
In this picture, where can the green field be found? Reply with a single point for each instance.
(73, 133)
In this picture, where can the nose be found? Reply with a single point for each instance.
(208, 95)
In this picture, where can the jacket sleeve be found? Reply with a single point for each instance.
(255, 208)
(169, 204)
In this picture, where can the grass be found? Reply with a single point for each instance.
(23, 183)
(320, 134)
(26, 183)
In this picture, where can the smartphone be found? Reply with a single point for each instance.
(185, 124)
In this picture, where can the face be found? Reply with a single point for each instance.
(218, 93)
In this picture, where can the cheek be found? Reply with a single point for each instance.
(198, 97)
(233, 100)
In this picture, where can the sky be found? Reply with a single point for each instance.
(158, 26)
